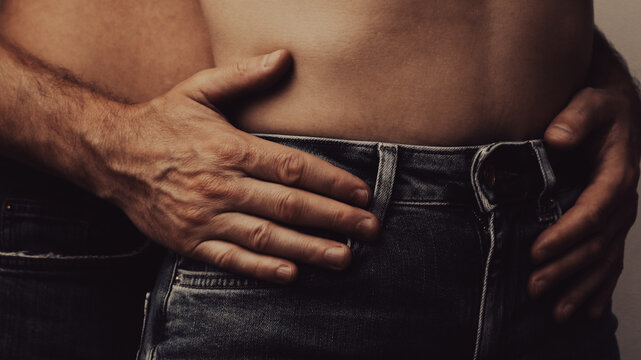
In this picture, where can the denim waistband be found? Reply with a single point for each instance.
(485, 175)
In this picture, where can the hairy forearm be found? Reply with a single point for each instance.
(50, 120)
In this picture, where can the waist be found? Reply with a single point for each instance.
(413, 114)
(478, 175)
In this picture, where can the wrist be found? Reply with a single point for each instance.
(102, 134)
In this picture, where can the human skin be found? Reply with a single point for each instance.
(366, 81)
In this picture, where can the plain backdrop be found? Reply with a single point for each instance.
(620, 20)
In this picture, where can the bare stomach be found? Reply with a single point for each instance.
(406, 71)
(419, 72)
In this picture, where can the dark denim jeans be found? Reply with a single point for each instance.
(445, 280)
(73, 271)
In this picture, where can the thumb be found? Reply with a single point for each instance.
(216, 85)
(587, 112)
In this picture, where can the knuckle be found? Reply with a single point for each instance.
(291, 167)
(226, 258)
(594, 218)
(188, 248)
(215, 188)
(193, 214)
(596, 96)
(241, 68)
(260, 236)
(595, 248)
(288, 207)
(308, 250)
(338, 218)
(232, 152)
(335, 184)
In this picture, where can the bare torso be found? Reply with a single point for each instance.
(408, 71)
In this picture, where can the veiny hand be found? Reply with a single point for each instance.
(586, 245)
(197, 185)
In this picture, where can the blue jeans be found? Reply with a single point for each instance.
(73, 271)
(445, 280)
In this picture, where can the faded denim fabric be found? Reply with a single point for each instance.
(446, 279)
(73, 271)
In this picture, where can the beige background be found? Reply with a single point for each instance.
(620, 20)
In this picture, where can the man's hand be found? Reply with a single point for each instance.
(585, 247)
(196, 184)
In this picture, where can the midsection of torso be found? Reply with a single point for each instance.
(409, 71)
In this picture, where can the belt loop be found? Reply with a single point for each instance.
(387, 158)
(549, 209)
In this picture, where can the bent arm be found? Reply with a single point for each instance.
(586, 245)
(609, 71)
(49, 119)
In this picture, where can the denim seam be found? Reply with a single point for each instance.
(488, 261)
(165, 305)
(145, 314)
(54, 257)
(428, 203)
(198, 280)
(373, 144)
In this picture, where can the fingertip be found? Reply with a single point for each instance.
(538, 254)
(286, 274)
(338, 257)
(536, 287)
(276, 59)
(368, 228)
(360, 198)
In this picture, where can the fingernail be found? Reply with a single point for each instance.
(563, 128)
(284, 272)
(360, 197)
(366, 227)
(567, 311)
(561, 132)
(271, 58)
(336, 256)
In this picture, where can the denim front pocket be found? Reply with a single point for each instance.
(37, 234)
(196, 274)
